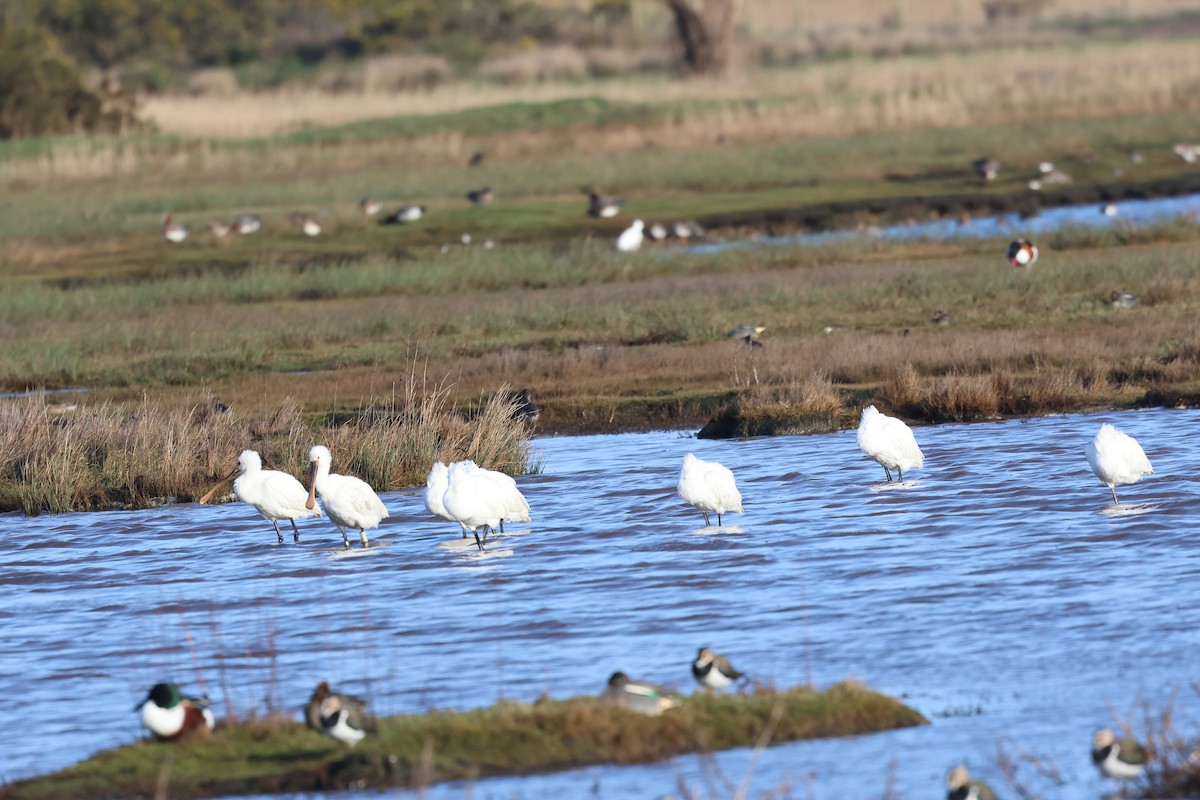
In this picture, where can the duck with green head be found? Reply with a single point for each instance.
(169, 715)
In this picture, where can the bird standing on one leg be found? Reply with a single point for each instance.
(1117, 459)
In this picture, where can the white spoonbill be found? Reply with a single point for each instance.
(478, 498)
(709, 486)
(349, 501)
(631, 238)
(274, 494)
(1117, 459)
(435, 489)
(889, 441)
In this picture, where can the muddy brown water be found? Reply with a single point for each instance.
(997, 591)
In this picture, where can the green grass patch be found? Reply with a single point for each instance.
(506, 739)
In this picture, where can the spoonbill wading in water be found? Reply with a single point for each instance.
(349, 502)
(709, 486)
(1117, 459)
(889, 441)
(479, 498)
(275, 495)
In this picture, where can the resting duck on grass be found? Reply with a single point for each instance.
(340, 716)
(169, 715)
(643, 698)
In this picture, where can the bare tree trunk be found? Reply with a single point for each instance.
(705, 37)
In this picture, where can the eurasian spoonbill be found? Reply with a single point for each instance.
(349, 501)
(889, 441)
(275, 495)
(478, 498)
(709, 486)
(1117, 459)
(630, 238)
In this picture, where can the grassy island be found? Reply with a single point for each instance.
(506, 739)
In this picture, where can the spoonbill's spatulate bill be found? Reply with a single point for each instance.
(349, 501)
(889, 441)
(709, 486)
(275, 495)
(1117, 459)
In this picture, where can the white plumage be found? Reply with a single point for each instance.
(631, 238)
(349, 501)
(275, 495)
(889, 441)
(709, 486)
(478, 498)
(1117, 459)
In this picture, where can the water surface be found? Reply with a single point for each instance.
(995, 591)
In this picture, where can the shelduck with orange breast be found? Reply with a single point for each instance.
(1022, 253)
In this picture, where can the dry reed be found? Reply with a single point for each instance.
(103, 456)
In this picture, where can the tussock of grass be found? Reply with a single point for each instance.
(101, 456)
(508, 738)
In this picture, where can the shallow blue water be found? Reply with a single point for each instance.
(1129, 213)
(994, 590)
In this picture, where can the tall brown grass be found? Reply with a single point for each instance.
(104, 455)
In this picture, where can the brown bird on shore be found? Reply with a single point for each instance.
(986, 168)
(354, 706)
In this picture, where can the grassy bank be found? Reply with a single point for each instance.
(59, 459)
(506, 739)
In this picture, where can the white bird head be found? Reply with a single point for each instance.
(320, 455)
(438, 474)
(637, 225)
(249, 461)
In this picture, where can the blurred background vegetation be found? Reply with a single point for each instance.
(79, 65)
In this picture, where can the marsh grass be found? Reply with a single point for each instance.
(104, 455)
(508, 738)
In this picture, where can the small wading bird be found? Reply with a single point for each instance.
(172, 231)
(1117, 459)
(630, 238)
(890, 442)
(960, 786)
(170, 715)
(403, 215)
(603, 206)
(275, 495)
(481, 197)
(1022, 253)
(713, 671)
(1117, 758)
(709, 486)
(478, 498)
(643, 698)
(748, 334)
(348, 501)
(246, 223)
